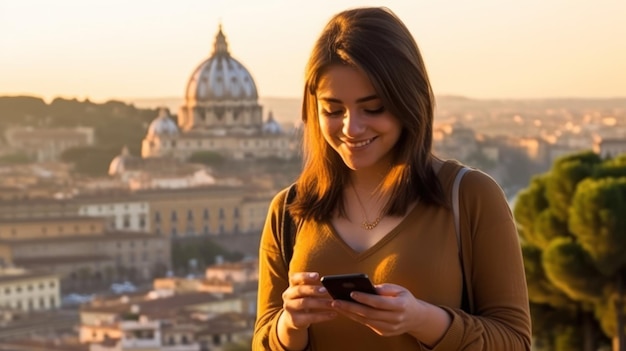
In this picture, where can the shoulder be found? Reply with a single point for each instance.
(479, 183)
(279, 199)
(483, 198)
(474, 180)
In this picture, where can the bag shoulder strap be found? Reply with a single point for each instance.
(465, 303)
(455, 203)
(287, 227)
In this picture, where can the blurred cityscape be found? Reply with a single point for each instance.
(134, 225)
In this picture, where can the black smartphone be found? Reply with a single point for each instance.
(340, 286)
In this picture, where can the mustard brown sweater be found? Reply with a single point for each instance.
(421, 254)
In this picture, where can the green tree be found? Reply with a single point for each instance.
(573, 229)
(90, 160)
(201, 249)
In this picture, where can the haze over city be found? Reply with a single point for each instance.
(143, 49)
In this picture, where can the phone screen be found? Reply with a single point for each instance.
(341, 285)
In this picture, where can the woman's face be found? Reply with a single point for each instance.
(354, 121)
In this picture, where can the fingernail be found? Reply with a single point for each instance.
(312, 275)
(321, 289)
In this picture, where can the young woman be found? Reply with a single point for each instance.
(372, 198)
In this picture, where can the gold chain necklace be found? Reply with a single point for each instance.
(366, 224)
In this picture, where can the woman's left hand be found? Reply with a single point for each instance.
(393, 311)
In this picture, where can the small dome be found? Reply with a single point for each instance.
(271, 126)
(117, 166)
(220, 77)
(162, 125)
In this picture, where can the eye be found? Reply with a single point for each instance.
(376, 111)
(334, 113)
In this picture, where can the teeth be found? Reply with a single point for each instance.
(359, 144)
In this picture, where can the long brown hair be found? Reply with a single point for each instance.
(374, 40)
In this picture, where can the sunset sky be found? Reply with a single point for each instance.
(142, 49)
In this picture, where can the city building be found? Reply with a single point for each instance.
(193, 321)
(210, 210)
(610, 147)
(83, 251)
(28, 290)
(221, 114)
(47, 144)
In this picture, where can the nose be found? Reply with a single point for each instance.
(353, 124)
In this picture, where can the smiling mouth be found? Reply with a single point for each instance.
(360, 143)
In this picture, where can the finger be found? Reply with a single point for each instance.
(308, 303)
(389, 289)
(304, 319)
(300, 278)
(306, 291)
(370, 300)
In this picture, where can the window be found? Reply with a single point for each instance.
(142, 221)
(206, 229)
(174, 216)
(236, 212)
(157, 217)
(126, 221)
(205, 214)
(221, 213)
(190, 215)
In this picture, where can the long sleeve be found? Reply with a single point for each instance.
(273, 280)
(493, 259)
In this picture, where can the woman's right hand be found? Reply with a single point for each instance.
(306, 302)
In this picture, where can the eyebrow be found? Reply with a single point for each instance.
(359, 100)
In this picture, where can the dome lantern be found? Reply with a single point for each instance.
(220, 47)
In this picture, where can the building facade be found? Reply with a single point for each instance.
(47, 144)
(83, 251)
(25, 290)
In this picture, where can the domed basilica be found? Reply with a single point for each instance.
(221, 114)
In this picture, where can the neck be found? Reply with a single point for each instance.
(366, 182)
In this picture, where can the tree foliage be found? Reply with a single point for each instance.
(572, 223)
(202, 250)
